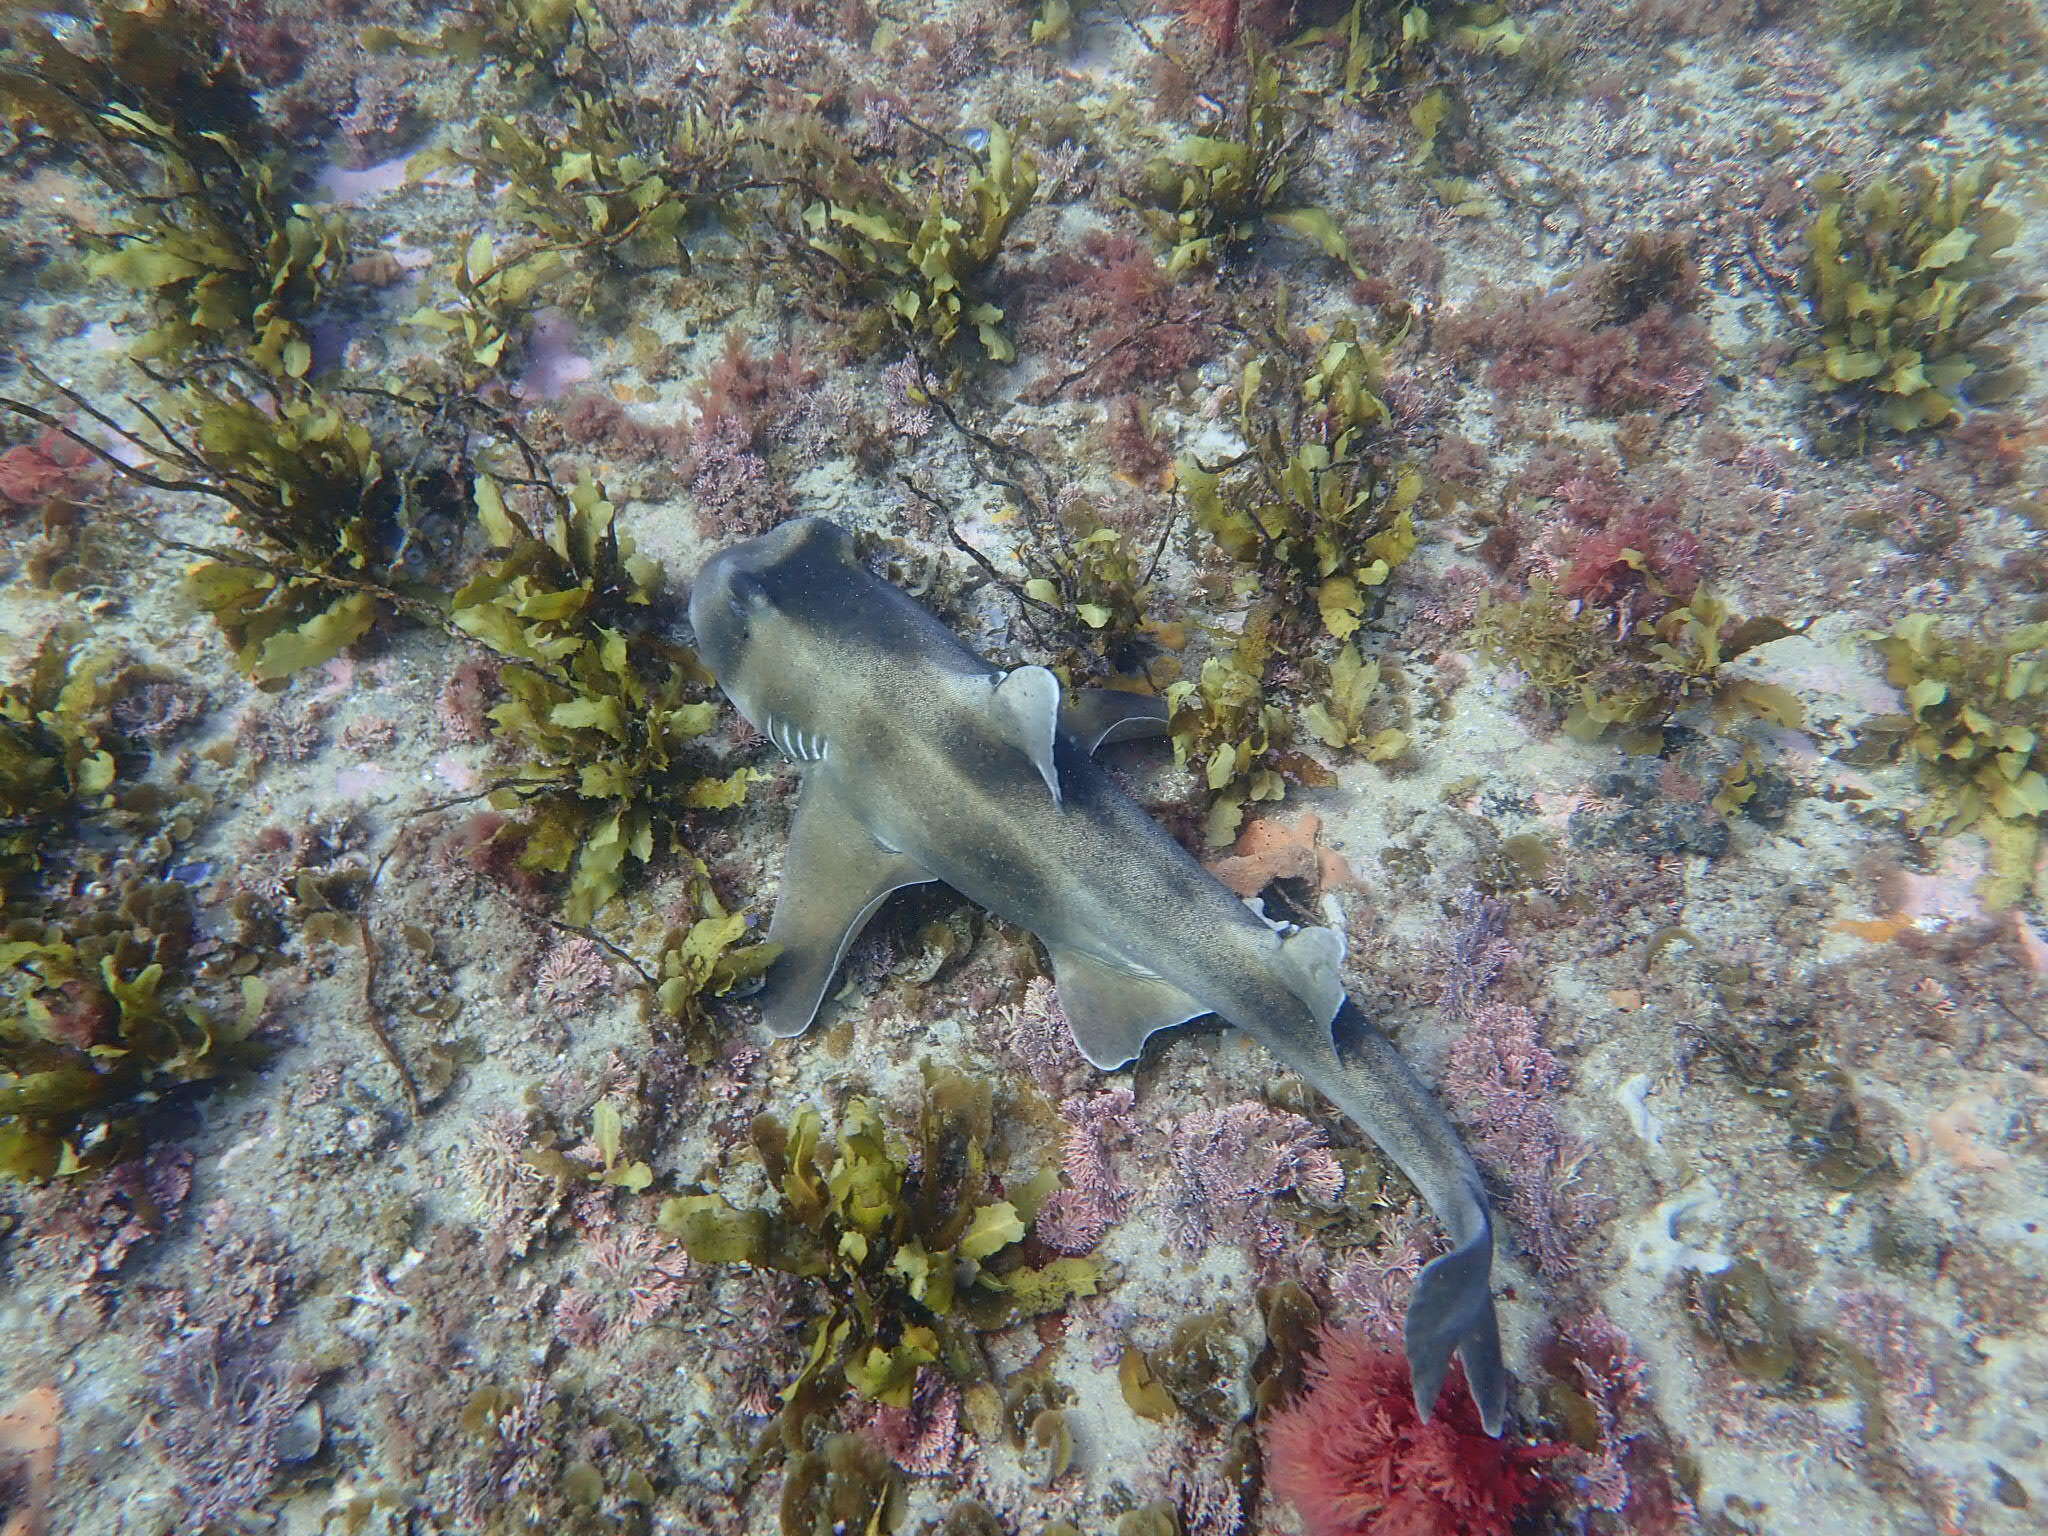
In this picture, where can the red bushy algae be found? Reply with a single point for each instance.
(1353, 1458)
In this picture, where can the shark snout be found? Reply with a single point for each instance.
(716, 620)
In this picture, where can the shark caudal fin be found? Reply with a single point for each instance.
(1451, 1312)
(1451, 1309)
(1335, 1047)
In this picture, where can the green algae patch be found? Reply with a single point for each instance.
(1975, 708)
(1629, 687)
(1316, 517)
(1100, 583)
(846, 1485)
(1739, 1309)
(337, 526)
(912, 1255)
(56, 763)
(1902, 280)
(1223, 727)
(706, 958)
(1313, 507)
(602, 713)
(103, 1007)
(1340, 719)
(324, 512)
(162, 115)
(908, 254)
(606, 181)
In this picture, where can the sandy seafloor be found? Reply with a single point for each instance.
(370, 1269)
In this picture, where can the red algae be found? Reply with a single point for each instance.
(1354, 1459)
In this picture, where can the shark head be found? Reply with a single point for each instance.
(761, 611)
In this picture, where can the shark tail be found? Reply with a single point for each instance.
(1451, 1312)
(1451, 1309)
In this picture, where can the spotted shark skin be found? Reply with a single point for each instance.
(920, 761)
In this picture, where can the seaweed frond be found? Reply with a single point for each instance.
(613, 181)
(159, 111)
(551, 41)
(904, 246)
(1225, 728)
(335, 528)
(103, 1009)
(1901, 286)
(1100, 583)
(1639, 679)
(55, 763)
(601, 710)
(911, 1253)
(607, 178)
(1974, 726)
(1315, 505)
(1210, 193)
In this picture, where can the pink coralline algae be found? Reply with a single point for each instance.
(1074, 1219)
(1208, 1500)
(744, 404)
(1628, 1468)
(635, 1277)
(570, 976)
(1038, 1036)
(1476, 953)
(1606, 544)
(1374, 1287)
(922, 1438)
(1229, 1163)
(1629, 563)
(1887, 1331)
(1611, 1379)
(1113, 307)
(1560, 343)
(1501, 1078)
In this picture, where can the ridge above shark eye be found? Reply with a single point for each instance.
(746, 595)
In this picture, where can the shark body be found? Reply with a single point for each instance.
(921, 761)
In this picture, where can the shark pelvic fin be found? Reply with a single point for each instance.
(1027, 713)
(1099, 716)
(1111, 1010)
(835, 876)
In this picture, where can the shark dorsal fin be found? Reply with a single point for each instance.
(1309, 963)
(1027, 713)
(1102, 715)
(1111, 1010)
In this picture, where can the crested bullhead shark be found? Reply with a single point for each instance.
(920, 761)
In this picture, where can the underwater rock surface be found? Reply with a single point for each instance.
(1573, 473)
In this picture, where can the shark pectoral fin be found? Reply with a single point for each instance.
(835, 876)
(1099, 716)
(1451, 1310)
(1027, 712)
(1309, 964)
(1110, 1010)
